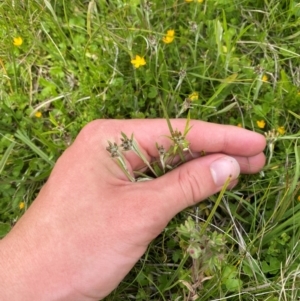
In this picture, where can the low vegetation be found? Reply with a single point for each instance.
(234, 62)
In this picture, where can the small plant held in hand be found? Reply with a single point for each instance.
(167, 159)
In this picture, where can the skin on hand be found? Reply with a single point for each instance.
(89, 225)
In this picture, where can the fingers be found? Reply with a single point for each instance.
(203, 136)
(248, 165)
(251, 165)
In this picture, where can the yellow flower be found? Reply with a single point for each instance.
(239, 125)
(264, 78)
(18, 41)
(281, 130)
(298, 198)
(21, 205)
(200, 1)
(38, 114)
(188, 1)
(169, 37)
(261, 124)
(138, 61)
(194, 96)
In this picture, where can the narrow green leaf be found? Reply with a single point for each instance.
(187, 125)
(25, 139)
(226, 109)
(49, 6)
(166, 116)
(6, 156)
(288, 198)
(227, 81)
(122, 165)
(89, 17)
(137, 150)
(218, 201)
(218, 35)
(294, 114)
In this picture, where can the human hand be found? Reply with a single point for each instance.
(89, 225)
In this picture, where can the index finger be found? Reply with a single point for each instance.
(203, 136)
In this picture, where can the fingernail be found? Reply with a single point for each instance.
(224, 168)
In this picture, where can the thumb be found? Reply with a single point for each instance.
(193, 182)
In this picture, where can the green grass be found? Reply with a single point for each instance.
(241, 57)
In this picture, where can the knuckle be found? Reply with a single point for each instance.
(225, 142)
(92, 127)
(93, 131)
(190, 185)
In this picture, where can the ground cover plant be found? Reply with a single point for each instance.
(233, 62)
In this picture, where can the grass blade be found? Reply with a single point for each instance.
(166, 116)
(6, 156)
(218, 201)
(25, 139)
(227, 81)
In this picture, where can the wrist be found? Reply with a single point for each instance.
(24, 274)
